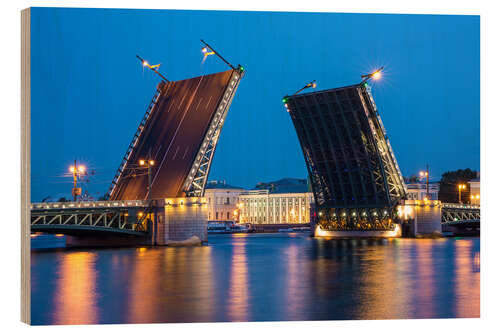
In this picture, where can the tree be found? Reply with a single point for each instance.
(448, 186)
(63, 199)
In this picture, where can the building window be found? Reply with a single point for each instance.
(228, 214)
(216, 215)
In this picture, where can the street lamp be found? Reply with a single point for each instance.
(311, 84)
(426, 174)
(208, 50)
(376, 75)
(77, 171)
(147, 164)
(154, 68)
(460, 188)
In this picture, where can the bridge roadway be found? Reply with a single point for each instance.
(98, 218)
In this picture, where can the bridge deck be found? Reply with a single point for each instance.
(173, 136)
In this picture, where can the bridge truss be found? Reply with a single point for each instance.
(125, 218)
(457, 213)
(354, 174)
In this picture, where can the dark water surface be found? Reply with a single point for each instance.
(256, 277)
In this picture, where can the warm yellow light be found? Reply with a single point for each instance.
(377, 75)
(140, 214)
(151, 162)
(141, 162)
(81, 168)
(204, 49)
(477, 196)
(71, 169)
(472, 197)
(145, 63)
(235, 212)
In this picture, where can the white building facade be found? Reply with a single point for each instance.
(475, 191)
(262, 207)
(222, 201)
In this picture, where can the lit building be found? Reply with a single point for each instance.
(475, 191)
(418, 191)
(284, 201)
(222, 200)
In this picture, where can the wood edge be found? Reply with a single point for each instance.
(25, 164)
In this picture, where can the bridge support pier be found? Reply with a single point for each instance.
(179, 220)
(421, 218)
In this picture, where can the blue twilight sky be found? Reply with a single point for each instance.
(89, 92)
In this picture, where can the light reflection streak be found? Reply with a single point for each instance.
(238, 285)
(467, 299)
(425, 283)
(76, 290)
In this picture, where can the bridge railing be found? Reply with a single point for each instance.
(88, 204)
(458, 205)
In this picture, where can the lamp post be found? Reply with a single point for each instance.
(374, 75)
(426, 174)
(208, 50)
(311, 84)
(460, 188)
(76, 171)
(147, 164)
(154, 68)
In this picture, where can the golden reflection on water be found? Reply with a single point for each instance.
(467, 301)
(161, 277)
(425, 283)
(383, 291)
(75, 299)
(238, 285)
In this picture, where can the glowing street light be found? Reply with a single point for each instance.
(147, 164)
(426, 175)
(376, 75)
(311, 84)
(154, 68)
(207, 50)
(76, 171)
(460, 188)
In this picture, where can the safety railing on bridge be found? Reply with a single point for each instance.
(88, 204)
(459, 205)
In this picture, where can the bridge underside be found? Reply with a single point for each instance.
(85, 230)
(354, 175)
(179, 132)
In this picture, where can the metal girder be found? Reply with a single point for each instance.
(349, 159)
(135, 139)
(457, 215)
(196, 180)
(112, 219)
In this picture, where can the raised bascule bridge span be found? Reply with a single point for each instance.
(156, 195)
(358, 188)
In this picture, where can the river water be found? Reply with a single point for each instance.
(256, 277)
